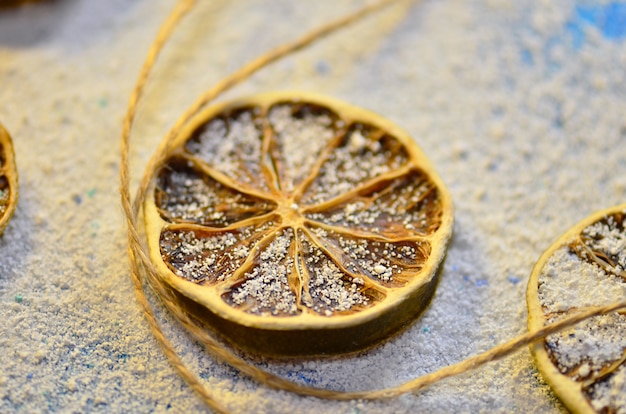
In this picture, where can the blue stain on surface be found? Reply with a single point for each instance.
(609, 19)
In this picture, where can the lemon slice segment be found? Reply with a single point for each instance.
(295, 224)
(8, 179)
(586, 364)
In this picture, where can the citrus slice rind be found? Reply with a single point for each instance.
(8, 179)
(295, 224)
(585, 365)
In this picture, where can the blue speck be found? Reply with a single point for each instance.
(301, 376)
(304, 378)
(425, 329)
(558, 122)
(455, 268)
(29, 376)
(481, 282)
(514, 279)
(527, 57)
(466, 278)
(77, 199)
(322, 67)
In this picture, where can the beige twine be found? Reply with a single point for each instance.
(141, 266)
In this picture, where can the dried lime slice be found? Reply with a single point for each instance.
(295, 224)
(585, 365)
(8, 179)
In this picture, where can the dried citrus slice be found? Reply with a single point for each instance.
(586, 364)
(295, 224)
(8, 179)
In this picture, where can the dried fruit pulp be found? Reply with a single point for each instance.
(8, 179)
(296, 224)
(585, 365)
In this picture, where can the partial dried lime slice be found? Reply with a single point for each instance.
(586, 364)
(8, 179)
(296, 225)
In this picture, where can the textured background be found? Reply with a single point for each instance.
(519, 104)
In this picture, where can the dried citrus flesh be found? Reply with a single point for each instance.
(586, 364)
(8, 179)
(298, 225)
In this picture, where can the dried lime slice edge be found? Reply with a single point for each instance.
(400, 310)
(8, 175)
(568, 390)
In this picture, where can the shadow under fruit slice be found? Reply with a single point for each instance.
(298, 225)
(585, 365)
(8, 179)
